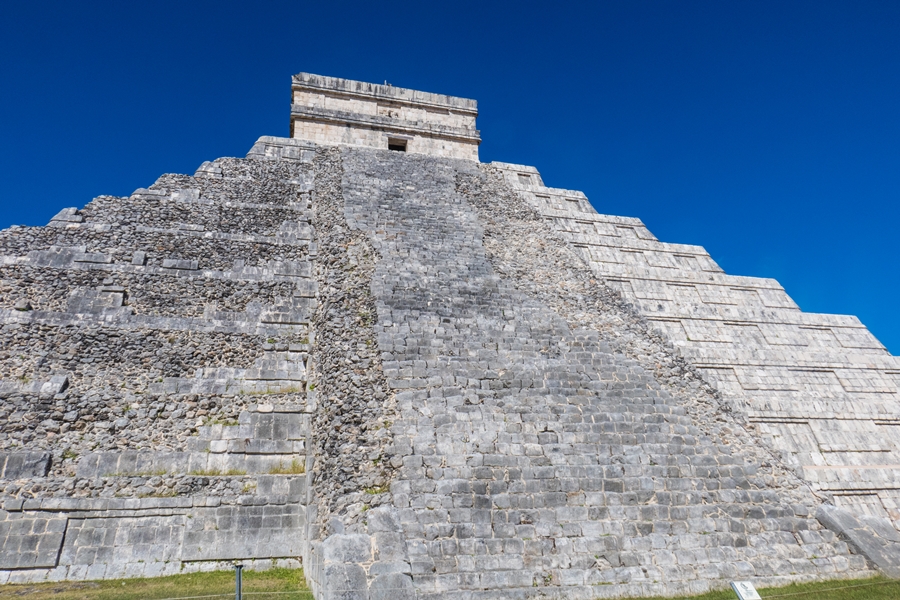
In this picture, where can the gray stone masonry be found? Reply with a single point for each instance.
(423, 377)
(534, 458)
(818, 389)
(153, 375)
(873, 537)
(332, 111)
(351, 469)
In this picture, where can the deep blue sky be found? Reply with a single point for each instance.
(767, 132)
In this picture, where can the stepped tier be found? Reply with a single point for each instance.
(420, 376)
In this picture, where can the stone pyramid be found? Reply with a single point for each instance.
(361, 351)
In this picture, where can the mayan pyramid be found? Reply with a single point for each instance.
(361, 351)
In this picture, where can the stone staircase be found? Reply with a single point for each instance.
(540, 450)
(429, 378)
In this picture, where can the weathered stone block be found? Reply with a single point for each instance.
(180, 264)
(344, 582)
(872, 537)
(17, 465)
(347, 548)
(392, 586)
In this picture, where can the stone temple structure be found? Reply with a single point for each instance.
(362, 351)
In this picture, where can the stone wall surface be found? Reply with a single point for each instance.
(153, 375)
(420, 376)
(820, 389)
(342, 112)
(534, 457)
(351, 471)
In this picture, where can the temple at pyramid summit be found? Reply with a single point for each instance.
(360, 351)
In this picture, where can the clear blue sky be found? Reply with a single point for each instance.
(767, 132)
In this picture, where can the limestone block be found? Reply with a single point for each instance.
(94, 301)
(382, 519)
(180, 264)
(291, 268)
(55, 256)
(390, 546)
(227, 533)
(209, 169)
(92, 258)
(392, 586)
(282, 148)
(347, 548)
(19, 465)
(27, 542)
(186, 195)
(13, 504)
(65, 216)
(293, 232)
(56, 385)
(292, 311)
(342, 581)
(123, 540)
(875, 538)
(151, 194)
(306, 288)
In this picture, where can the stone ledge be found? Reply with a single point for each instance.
(18, 465)
(873, 537)
(269, 147)
(343, 118)
(374, 91)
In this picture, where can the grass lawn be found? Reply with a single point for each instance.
(258, 585)
(877, 588)
(288, 584)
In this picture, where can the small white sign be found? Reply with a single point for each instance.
(745, 590)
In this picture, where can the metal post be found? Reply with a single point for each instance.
(238, 583)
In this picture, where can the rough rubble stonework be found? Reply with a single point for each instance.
(527, 252)
(350, 426)
(420, 376)
(154, 353)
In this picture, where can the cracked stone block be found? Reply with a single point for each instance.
(180, 264)
(67, 215)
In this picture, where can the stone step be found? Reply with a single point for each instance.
(270, 457)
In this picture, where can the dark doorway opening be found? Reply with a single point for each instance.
(397, 145)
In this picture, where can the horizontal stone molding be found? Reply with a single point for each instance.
(368, 91)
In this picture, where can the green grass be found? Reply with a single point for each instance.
(155, 473)
(218, 473)
(223, 422)
(295, 467)
(256, 583)
(876, 588)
